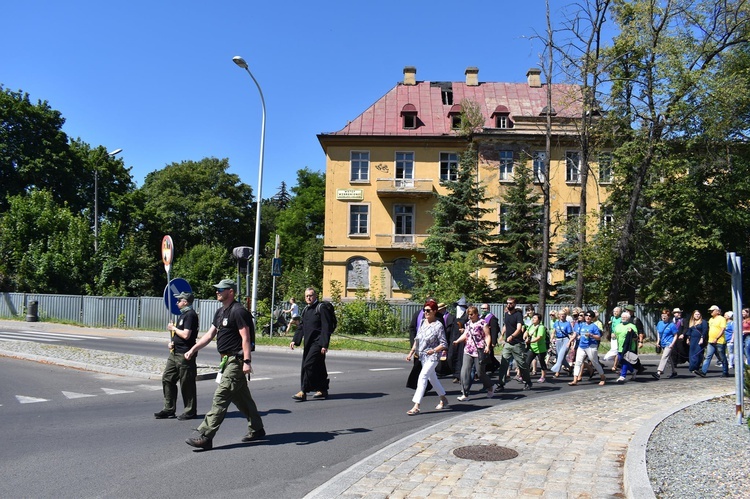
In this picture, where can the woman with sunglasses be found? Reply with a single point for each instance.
(476, 335)
(428, 343)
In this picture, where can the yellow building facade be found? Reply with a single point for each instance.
(385, 168)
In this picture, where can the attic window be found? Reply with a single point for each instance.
(502, 117)
(409, 114)
(455, 115)
(447, 97)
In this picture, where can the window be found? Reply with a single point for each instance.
(404, 221)
(404, 169)
(360, 166)
(399, 277)
(358, 273)
(608, 216)
(359, 219)
(539, 159)
(573, 166)
(455, 121)
(448, 167)
(506, 165)
(605, 168)
(573, 212)
(504, 219)
(501, 121)
(410, 121)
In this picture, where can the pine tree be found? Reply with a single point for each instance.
(517, 253)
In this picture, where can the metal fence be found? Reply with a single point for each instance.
(149, 313)
(144, 312)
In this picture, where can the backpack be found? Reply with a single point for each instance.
(328, 306)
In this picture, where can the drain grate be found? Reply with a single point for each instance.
(485, 453)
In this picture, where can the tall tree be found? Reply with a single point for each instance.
(667, 52)
(518, 256)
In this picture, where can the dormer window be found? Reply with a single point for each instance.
(455, 116)
(409, 115)
(502, 117)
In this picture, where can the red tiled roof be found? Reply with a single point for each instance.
(384, 117)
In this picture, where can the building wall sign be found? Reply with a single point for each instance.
(350, 194)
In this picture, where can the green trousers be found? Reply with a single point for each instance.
(232, 389)
(184, 371)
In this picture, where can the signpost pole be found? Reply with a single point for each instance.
(273, 287)
(734, 266)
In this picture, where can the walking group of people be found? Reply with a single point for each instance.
(234, 330)
(463, 346)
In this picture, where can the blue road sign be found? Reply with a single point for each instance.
(276, 267)
(175, 287)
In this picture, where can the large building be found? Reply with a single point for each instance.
(385, 166)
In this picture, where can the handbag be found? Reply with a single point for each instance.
(630, 357)
(659, 349)
(484, 358)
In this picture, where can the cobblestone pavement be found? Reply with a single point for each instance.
(575, 445)
(579, 444)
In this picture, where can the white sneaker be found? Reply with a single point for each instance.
(463, 398)
(621, 379)
(490, 393)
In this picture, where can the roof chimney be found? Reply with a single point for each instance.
(410, 75)
(532, 75)
(472, 76)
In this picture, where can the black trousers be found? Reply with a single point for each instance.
(314, 375)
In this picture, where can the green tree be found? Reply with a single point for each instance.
(200, 203)
(203, 265)
(518, 256)
(44, 248)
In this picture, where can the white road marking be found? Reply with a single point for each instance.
(29, 400)
(7, 336)
(388, 369)
(64, 335)
(335, 372)
(151, 387)
(74, 395)
(259, 379)
(112, 391)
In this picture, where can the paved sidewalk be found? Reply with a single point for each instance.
(581, 444)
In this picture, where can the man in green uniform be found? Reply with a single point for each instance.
(178, 367)
(234, 330)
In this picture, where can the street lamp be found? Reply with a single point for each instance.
(256, 249)
(96, 200)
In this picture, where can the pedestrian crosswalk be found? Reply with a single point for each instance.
(43, 337)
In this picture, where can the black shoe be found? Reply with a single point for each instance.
(300, 396)
(164, 415)
(185, 416)
(323, 394)
(699, 373)
(656, 375)
(527, 386)
(673, 375)
(499, 387)
(254, 435)
(201, 442)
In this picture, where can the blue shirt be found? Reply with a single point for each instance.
(586, 330)
(563, 329)
(729, 331)
(667, 331)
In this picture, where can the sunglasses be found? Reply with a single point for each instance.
(428, 310)
(221, 290)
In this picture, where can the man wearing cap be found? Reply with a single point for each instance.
(178, 367)
(234, 331)
(717, 343)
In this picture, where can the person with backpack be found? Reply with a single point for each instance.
(234, 331)
(318, 323)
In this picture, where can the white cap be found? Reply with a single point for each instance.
(713, 307)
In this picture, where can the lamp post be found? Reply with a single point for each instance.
(96, 200)
(256, 248)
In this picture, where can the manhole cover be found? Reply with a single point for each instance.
(485, 453)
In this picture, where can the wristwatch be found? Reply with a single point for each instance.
(246, 361)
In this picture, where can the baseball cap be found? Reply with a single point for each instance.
(676, 310)
(186, 296)
(713, 307)
(226, 283)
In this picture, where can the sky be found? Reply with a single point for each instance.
(156, 78)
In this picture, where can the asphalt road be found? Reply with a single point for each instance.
(83, 434)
